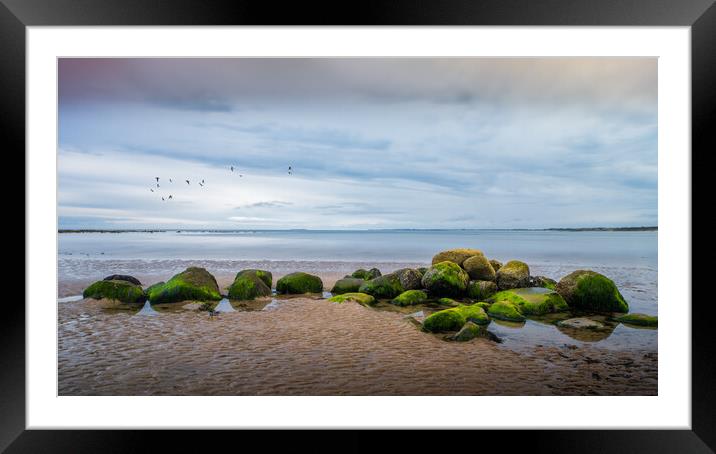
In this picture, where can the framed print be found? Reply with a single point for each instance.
(454, 216)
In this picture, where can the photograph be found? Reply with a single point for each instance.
(367, 226)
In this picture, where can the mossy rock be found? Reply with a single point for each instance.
(347, 285)
(118, 290)
(264, 275)
(479, 268)
(360, 274)
(410, 279)
(361, 298)
(422, 270)
(410, 297)
(533, 300)
(543, 281)
(506, 310)
(483, 304)
(470, 331)
(454, 318)
(446, 279)
(496, 265)
(590, 291)
(299, 283)
(513, 274)
(194, 283)
(638, 319)
(481, 290)
(153, 287)
(123, 277)
(448, 302)
(457, 256)
(387, 286)
(248, 286)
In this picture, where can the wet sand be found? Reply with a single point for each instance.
(304, 346)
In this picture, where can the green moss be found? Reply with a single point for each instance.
(457, 256)
(347, 285)
(590, 291)
(475, 314)
(360, 274)
(481, 290)
(410, 297)
(360, 298)
(448, 302)
(483, 304)
(118, 290)
(153, 287)
(479, 268)
(195, 284)
(446, 279)
(454, 318)
(387, 286)
(505, 310)
(513, 274)
(532, 301)
(248, 286)
(298, 283)
(264, 275)
(469, 331)
(638, 319)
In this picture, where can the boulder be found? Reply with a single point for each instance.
(496, 265)
(422, 270)
(265, 276)
(457, 256)
(638, 319)
(505, 310)
(446, 279)
(533, 300)
(469, 331)
(542, 281)
(192, 284)
(299, 283)
(248, 286)
(360, 298)
(580, 323)
(513, 274)
(153, 287)
(479, 268)
(387, 286)
(372, 274)
(123, 277)
(410, 279)
(119, 290)
(347, 285)
(454, 318)
(410, 297)
(590, 291)
(481, 290)
(360, 274)
(449, 302)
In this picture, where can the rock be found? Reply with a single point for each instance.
(410, 279)
(265, 276)
(533, 300)
(192, 284)
(469, 331)
(119, 290)
(481, 290)
(454, 318)
(372, 274)
(580, 323)
(505, 310)
(457, 256)
(360, 274)
(248, 286)
(410, 298)
(347, 285)
(496, 265)
(422, 270)
(542, 281)
(638, 319)
(513, 274)
(449, 302)
(153, 287)
(387, 286)
(479, 268)
(299, 283)
(590, 291)
(446, 279)
(123, 277)
(361, 298)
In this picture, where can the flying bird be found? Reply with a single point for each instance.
(151, 189)
(157, 179)
(290, 170)
(232, 168)
(201, 185)
(170, 196)
(157, 184)
(170, 180)
(202, 181)
(162, 199)
(187, 181)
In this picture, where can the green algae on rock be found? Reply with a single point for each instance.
(347, 285)
(360, 298)
(410, 297)
(457, 256)
(446, 279)
(533, 300)
(153, 287)
(119, 290)
(264, 275)
(481, 290)
(506, 310)
(513, 274)
(590, 291)
(123, 277)
(299, 283)
(469, 331)
(387, 286)
(544, 282)
(194, 283)
(479, 268)
(454, 318)
(410, 279)
(448, 302)
(638, 319)
(496, 265)
(248, 286)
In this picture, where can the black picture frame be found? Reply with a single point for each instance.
(16, 15)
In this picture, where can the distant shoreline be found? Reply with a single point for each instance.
(553, 229)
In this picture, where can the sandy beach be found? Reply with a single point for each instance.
(309, 346)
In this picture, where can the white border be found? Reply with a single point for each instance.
(670, 409)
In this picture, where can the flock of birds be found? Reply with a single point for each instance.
(201, 183)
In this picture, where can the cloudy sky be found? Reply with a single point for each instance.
(373, 143)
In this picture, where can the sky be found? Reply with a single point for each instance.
(373, 143)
